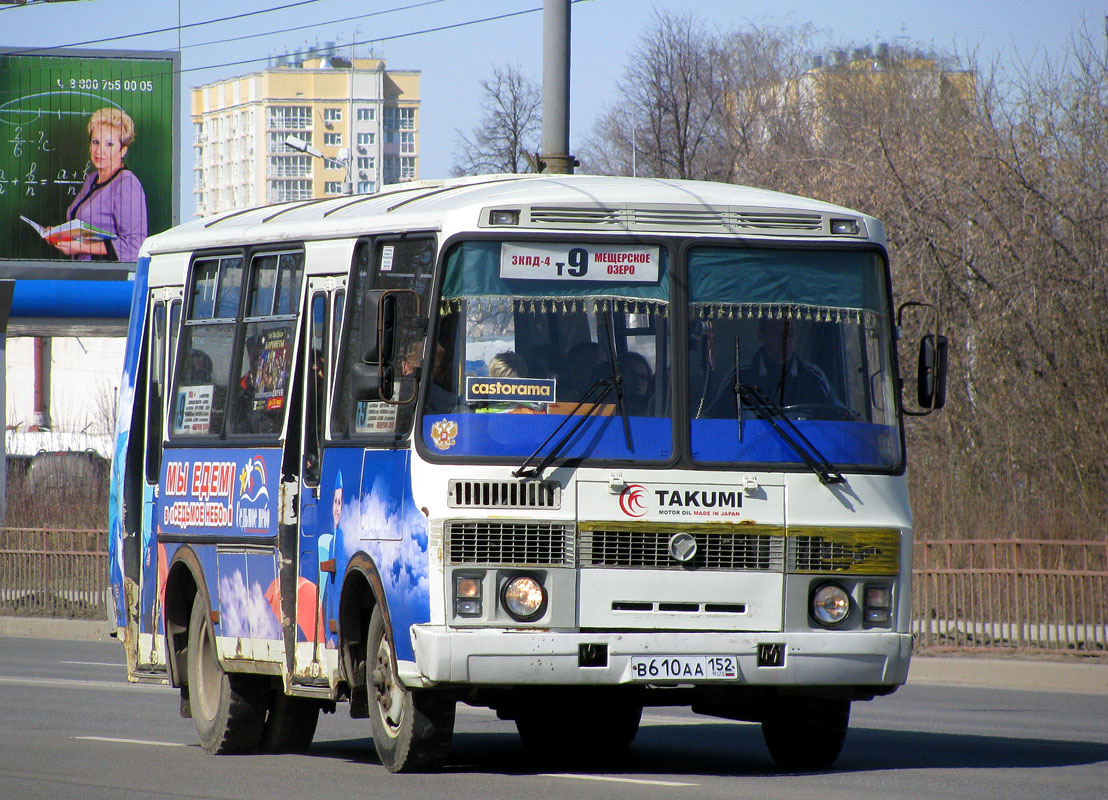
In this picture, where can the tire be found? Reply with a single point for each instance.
(228, 711)
(412, 730)
(555, 729)
(806, 733)
(290, 724)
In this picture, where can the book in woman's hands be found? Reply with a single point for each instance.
(73, 231)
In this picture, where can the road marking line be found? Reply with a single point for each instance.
(606, 779)
(129, 741)
(92, 664)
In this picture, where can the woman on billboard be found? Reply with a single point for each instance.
(111, 203)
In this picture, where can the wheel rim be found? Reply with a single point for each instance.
(210, 675)
(387, 691)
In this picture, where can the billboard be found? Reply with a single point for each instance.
(88, 158)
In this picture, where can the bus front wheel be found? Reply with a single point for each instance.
(227, 710)
(412, 730)
(806, 733)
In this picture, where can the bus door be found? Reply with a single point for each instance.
(326, 297)
(164, 311)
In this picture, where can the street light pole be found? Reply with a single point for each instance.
(344, 157)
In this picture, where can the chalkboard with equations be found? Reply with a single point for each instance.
(46, 101)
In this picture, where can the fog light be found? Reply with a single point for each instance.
(504, 217)
(467, 595)
(523, 597)
(830, 604)
(878, 600)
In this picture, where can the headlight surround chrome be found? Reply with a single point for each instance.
(523, 597)
(830, 605)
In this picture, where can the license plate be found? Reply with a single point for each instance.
(684, 668)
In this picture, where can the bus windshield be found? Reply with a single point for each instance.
(531, 333)
(807, 333)
(527, 329)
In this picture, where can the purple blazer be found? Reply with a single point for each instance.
(118, 206)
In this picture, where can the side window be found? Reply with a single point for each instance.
(155, 391)
(383, 265)
(203, 373)
(261, 382)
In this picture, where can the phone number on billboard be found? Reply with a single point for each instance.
(113, 85)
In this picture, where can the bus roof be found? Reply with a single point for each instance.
(545, 202)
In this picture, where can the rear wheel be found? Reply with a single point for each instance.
(227, 710)
(806, 733)
(290, 724)
(412, 729)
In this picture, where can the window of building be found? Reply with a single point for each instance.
(365, 162)
(332, 139)
(297, 118)
(407, 168)
(401, 119)
(366, 115)
(332, 115)
(367, 187)
(295, 166)
(366, 139)
(284, 191)
(332, 187)
(407, 142)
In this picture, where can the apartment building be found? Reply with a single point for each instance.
(362, 117)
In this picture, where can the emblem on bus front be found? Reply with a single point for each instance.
(632, 501)
(682, 547)
(444, 433)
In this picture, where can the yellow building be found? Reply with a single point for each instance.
(361, 117)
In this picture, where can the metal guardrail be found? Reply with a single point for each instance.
(54, 573)
(968, 594)
(1015, 594)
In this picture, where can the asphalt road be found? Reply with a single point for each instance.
(71, 727)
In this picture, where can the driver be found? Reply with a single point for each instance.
(784, 378)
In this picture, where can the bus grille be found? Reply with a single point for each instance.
(506, 542)
(867, 552)
(649, 549)
(721, 220)
(504, 494)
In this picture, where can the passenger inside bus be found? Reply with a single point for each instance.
(784, 377)
(585, 362)
(638, 383)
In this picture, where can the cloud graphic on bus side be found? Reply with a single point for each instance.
(402, 562)
(244, 611)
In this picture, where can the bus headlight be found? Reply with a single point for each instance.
(523, 597)
(830, 604)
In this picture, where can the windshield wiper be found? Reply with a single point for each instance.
(606, 385)
(780, 422)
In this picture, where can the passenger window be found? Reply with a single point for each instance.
(203, 373)
(265, 361)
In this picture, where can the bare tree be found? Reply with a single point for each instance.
(698, 104)
(509, 129)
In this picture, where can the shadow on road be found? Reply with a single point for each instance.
(728, 749)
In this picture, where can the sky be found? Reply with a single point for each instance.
(454, 60)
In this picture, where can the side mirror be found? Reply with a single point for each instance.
(389, 316)
(932, 359)
(931, 379)
(378, 327)
(371, 382)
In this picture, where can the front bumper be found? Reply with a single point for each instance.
(497, 657)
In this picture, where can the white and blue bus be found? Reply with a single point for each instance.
(560, 446)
